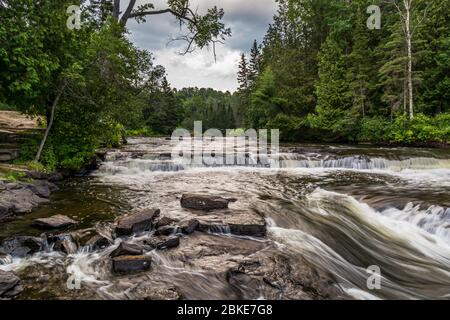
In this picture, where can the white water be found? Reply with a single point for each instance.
(340, 232)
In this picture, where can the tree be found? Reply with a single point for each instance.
(407, 11)
(243, 75)
(201, 30)
(265, 105)
(255, 63)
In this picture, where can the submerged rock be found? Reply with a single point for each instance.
(98, 242)
(67, 246)
(165, 221)
(131, 264)
(54, 222)
(137, 222)
(163, 242)
(127, 249)
(189, 226)
(22, 246)
(204, 202)
(166, 231)
(9, 285)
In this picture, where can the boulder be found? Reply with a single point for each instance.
(240, 223)
(189, 226)
(63, 242)
(67, 246)
(165, 221)
(131, 264)
(40, 188)
(20, 200)
(54, 222)
(204, 202)
(163, 242)
(9, 285)
(166, 231)
(22, 246)
(126, 249)
(137, 222)
(98, 242)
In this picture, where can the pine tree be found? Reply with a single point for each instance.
(243, 75)
(255, 63)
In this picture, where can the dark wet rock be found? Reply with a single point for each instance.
(165, 221)
(131, 264)
(55, 177)
(19, 199)
(67, 246)
(22, 198)
(82, 236)
(137, 222)
(54, 222)
(163, 242)
(127, 249)
(98, 242)
(9, 285)
(166, 231)
(189, 226)
(63, 242)
(40, 188)
(37, 175)
(241, 223)
(22, 246)
(204, 202)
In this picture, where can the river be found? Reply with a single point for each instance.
(340, 209)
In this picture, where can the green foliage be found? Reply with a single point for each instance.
(213, 108)
(14, 176)
(326, 77)
(403, 130)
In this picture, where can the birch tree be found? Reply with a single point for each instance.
(407, 10)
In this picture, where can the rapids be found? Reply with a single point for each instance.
(340, 208)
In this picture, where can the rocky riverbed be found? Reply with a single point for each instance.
(241, 259)
(142, 226)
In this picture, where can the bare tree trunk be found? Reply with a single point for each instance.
(49, 125)
(116, 10)
(408, 4)
(127, 13)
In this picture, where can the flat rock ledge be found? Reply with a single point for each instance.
(18, 198)
(240, 223)
(54, 222)
(205, 202)
(137, 222)
(131, 264)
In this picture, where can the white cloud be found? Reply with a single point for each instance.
(248, 20)
(199, 68)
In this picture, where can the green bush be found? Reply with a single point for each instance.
(403, 130)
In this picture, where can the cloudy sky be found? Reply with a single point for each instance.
(248, 20)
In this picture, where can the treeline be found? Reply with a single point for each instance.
(78, 71)
(322, 74)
